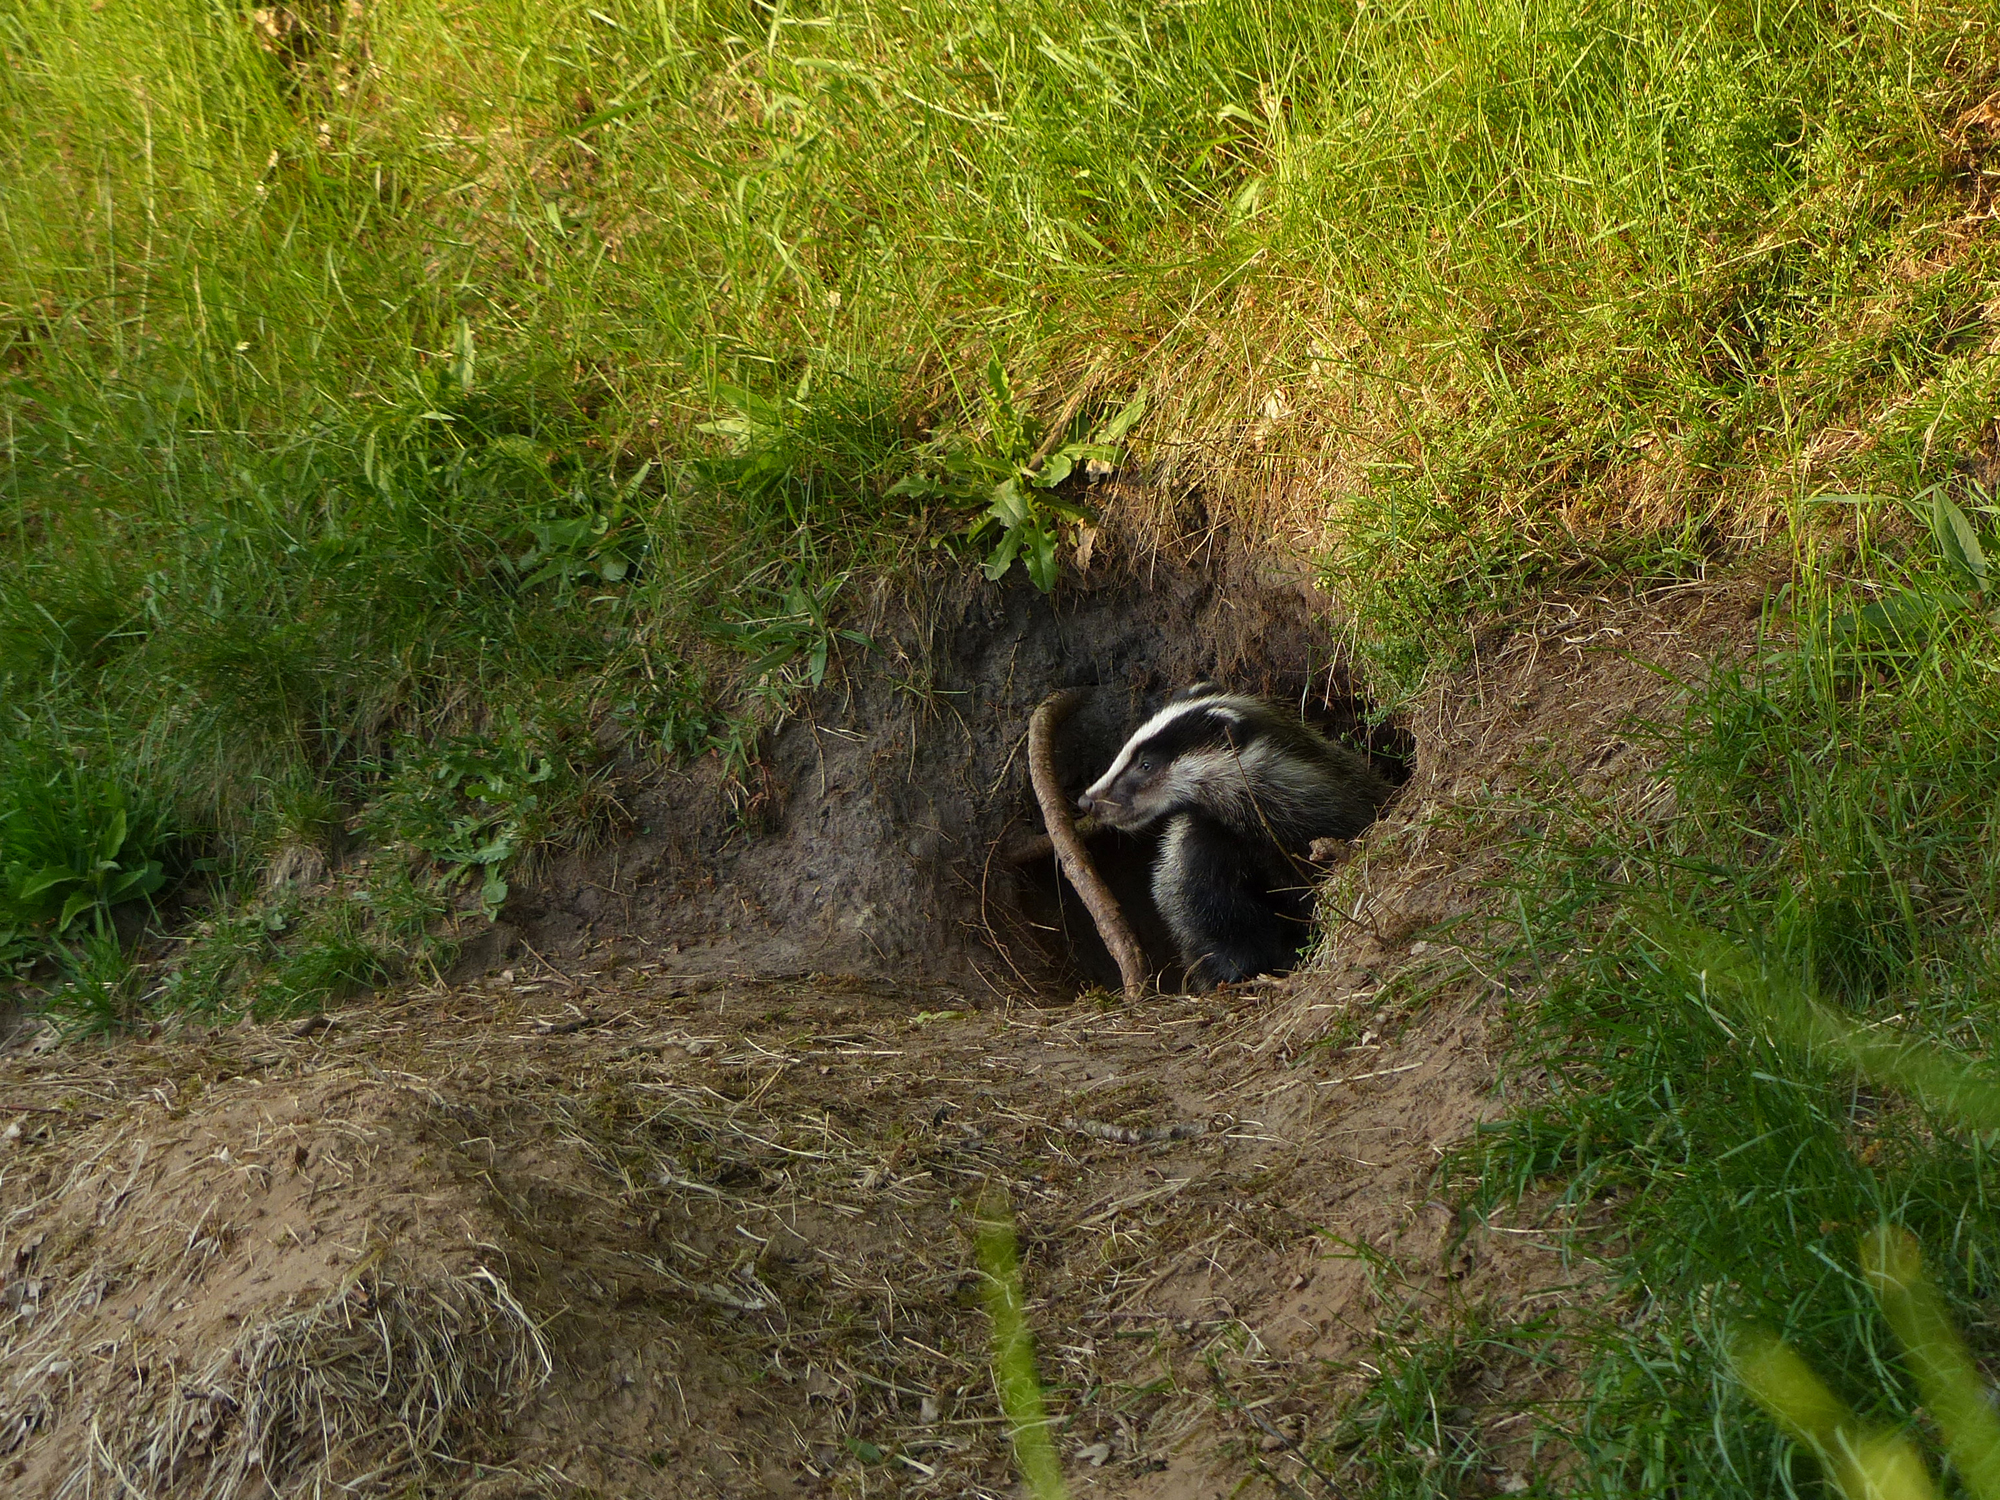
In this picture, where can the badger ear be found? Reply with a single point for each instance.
(1202, 689)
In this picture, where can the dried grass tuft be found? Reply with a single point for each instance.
(383, 1377)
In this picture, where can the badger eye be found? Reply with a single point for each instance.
(1145, 765)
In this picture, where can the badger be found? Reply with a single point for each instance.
(1244, 788)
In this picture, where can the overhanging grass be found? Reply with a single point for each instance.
(1495, 280)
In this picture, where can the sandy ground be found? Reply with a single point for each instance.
(612, 1223)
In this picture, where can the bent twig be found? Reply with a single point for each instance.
(1075, 859)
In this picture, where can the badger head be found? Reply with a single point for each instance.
(1164, 765)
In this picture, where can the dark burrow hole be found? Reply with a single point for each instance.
(1046, 909)
(1134, 643)
(871, 837)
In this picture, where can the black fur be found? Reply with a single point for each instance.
(1243, 788)
(1236, 912)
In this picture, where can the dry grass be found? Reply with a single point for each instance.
(177, 1324)
(379, 1381)
(744, 1209)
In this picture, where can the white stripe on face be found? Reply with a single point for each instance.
(1218, 704)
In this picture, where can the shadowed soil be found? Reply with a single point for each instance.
(862, 842)
(629, 1225)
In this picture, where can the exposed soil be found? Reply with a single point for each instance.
(687, 1208)
(865, 844)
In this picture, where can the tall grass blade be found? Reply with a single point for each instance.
(1950, 1381)
(1937, 1076)
(1014, 1369)
(1863, 1465)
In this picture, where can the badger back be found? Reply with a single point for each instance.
(1294, 785)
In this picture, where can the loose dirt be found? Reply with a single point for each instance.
(667, 1215)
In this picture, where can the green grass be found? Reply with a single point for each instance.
(1769, 1021)
(361, 362)
(1417, 1429)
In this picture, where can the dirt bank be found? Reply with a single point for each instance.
(862, 843)
(656, 1222)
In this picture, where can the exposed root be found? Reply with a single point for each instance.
(1075, 859)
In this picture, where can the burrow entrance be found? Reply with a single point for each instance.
(870, 842)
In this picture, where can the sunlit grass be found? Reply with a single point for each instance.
(1473, 294)
(1883, 1464)
(1769, 1022)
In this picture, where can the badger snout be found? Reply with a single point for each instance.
(1108, 810)
(1098, 801)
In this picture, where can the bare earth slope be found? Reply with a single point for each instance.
(609, 1227)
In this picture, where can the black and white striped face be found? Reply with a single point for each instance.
(1187, 743)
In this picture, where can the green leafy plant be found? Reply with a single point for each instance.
(1014, 475)
(798, 628)
(1903, 615)
(589, 542)
(473, 804)
(674, 710)
(16, 946)
(73, 842)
